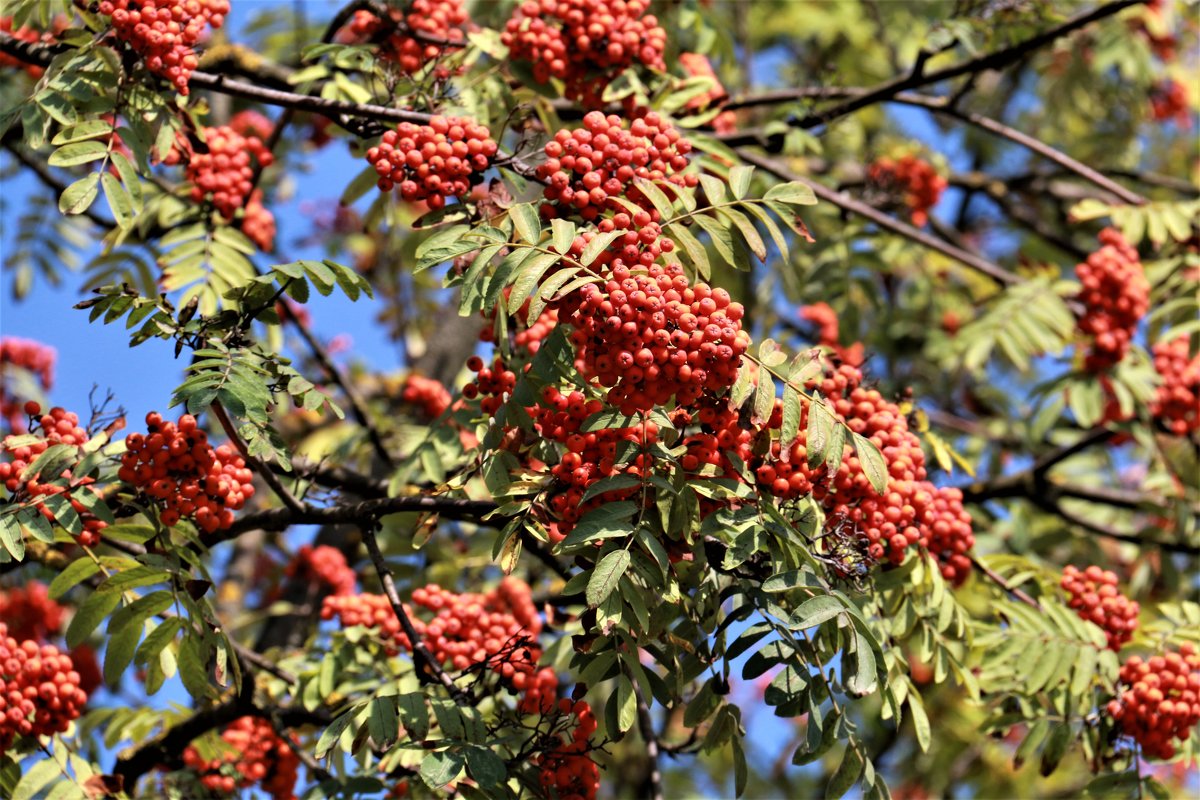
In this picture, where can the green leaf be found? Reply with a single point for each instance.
(605, 576)
(79, 196)
(438, 769)
(118, 200)
(527, 222)
(562, 235)
(331, 735)
(413, 715)
(485, 767)
(78, 153)
(79, 570)
(598, 245)
(626, 704)
(37, 778)
(1056, 748)
(874, 467)
(739, 180)
(119, 650)
(384, 721)
(794, 194)
(847, 774)
(863, 680)
(814, 611)
(96, 607)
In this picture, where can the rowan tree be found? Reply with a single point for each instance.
(797, 398)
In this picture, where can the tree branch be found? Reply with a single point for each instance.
(422, 659)
(859, 208)
(987, 61)
(254, 463)
(650, 739)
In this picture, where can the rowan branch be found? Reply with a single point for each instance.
(253, 462)
(938, 105)
(422, 659)
(650, 739)
(972, 66)
(998, 579)
(859, 208)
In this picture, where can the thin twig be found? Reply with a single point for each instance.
(650, 740)
(998, 579)
(253, 462)
(846, 203)
(421, 656)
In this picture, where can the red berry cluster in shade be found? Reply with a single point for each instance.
(222, 169)
(697, 65)
(491, 383)
(584, 43)
(650, 336)
(255, 754)
(164, 32)
(497, 630)
(587, 168)
(29, 355)
(30, 612)
(950, 537)
(1096, 598)
(433, 162)
(567, 771)
(258, 223)
(828, 333)
(323, 565)
(39, 690)
(1161, 702)
(1169, 103)
(915, 178)
(249, 122)
(1176, 403)
(428, 395)
(1115, 297)
(175, 465)
(589, 455)
(57, 427)
(412, 39)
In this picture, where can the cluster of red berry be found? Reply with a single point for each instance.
(589, 456)
(1096, 598)
(164, 32)
(223, 170)
(566, 770)
(29, 355)
(584, 43)
(588, 169)
(914, 177)
(949, 532)
(1153, 26)
(428, 395)
(324, 565)
(250, 122)
(496, 630)
(415, 38)
(254, 754)
(1169, 103)
(650, 336)
(1115, 297)
(258, 223)
(697, 65)
(30, 613)
(39, 689)
(57, 427)
(433, 162)
(490, 384)
(1176, 402)
(175, 464)
(829, 333)
(1162, 701)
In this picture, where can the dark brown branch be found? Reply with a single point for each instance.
(943, 106)
(428, 668)
(357, 408)
(859, 208)
(362, 513)
(650, 739)
(41, 55)
(972, 66)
